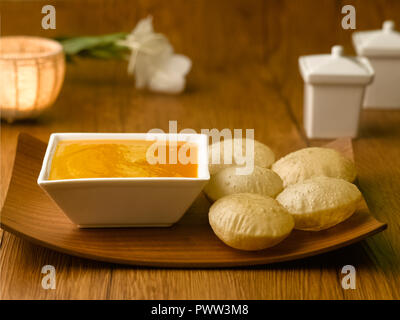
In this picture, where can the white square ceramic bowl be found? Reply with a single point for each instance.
(125, 202)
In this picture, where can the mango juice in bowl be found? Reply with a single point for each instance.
(124, 179)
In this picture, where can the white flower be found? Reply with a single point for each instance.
(153, 61)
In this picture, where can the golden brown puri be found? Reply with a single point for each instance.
(320, 203)
(250, 221)
(263, 156)
(227, 181)
(313, 162)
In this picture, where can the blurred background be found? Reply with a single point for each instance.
(216, 34)
(232, 43)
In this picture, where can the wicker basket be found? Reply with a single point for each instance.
(31, 75)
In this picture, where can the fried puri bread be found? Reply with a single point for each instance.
(314, 162)
(227, 181)
(248, 221)
(263, 156)
(320, 203)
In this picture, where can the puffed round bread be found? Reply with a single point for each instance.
(263, 155)
(249, 221)
(226, 181)
(320, 203)
(314, 162)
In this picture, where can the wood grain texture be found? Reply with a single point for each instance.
(188, 243)
(244, 75)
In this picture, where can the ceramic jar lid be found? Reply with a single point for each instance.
(383, 42)
(335, 68)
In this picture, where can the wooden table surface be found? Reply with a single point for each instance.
(244, 75)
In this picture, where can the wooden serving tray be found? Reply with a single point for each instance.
(28, 212)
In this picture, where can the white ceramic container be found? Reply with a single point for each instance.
(333, 93)
(125, 202)
(382, 48)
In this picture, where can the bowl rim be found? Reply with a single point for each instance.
(55, 48)
(199, 138)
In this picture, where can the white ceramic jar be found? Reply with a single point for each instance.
(382, 48)
(334, 87)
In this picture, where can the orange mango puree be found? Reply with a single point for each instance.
(75, 159)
